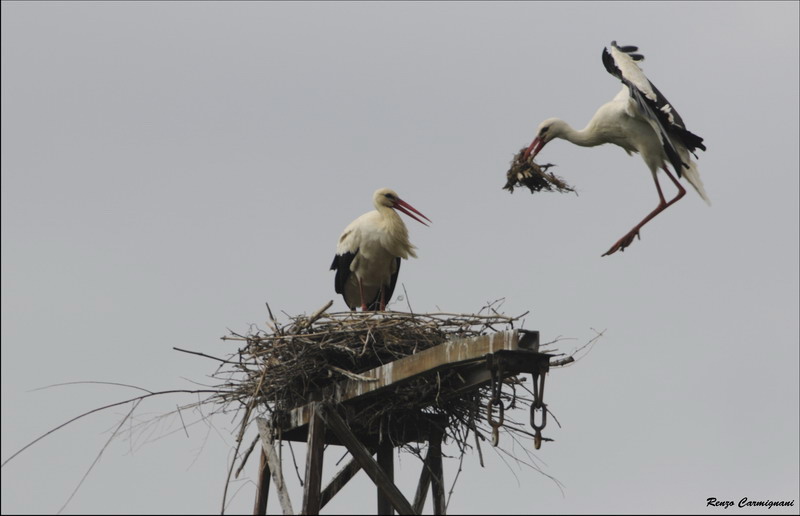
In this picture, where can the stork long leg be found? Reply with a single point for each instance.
(625, 241)
(361, 293)
(383, 298)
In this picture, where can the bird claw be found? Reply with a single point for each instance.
(623, 242)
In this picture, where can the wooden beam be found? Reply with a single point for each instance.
(262, 493)
(338, 482)
(274, 464)
(364, 458)
(429, 360)
(424, 483)
(386, 462)
(314, 455)
(437, 478)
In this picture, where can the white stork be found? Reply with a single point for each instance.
(368, 256)
(639, 119)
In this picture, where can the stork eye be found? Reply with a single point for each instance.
(389, 196)
(544, 129)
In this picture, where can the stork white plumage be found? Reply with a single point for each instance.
(368, 256)
(639, 119)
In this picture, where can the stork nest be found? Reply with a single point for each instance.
(524, 172)
(275, 370)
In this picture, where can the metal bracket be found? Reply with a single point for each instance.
(529, 340)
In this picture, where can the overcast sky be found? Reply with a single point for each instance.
(167, 168)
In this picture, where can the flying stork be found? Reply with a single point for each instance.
(639, 119)
(368, 256)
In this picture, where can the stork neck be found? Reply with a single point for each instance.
(586, 137)
(390, 216)
(393, 222)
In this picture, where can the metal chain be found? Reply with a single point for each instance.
(538, 404)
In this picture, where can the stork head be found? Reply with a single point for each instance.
(388, 198)
(549, 129)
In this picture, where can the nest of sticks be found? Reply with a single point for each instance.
(524, 172)
(276, 369)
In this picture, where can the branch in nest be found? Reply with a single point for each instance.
(352, 376)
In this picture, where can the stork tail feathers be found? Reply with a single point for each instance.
(693, 176)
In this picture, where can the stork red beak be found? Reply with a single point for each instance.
(408, 209)
(536, 146)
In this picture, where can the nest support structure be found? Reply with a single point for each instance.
(375, 381)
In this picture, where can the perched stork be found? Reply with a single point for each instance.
(368, 256)
(639, 119)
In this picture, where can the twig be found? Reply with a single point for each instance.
(203, 355)
(353, 376)
(243, 427)
(100, 454)
(296, 469)
(453, 486)
(91, 382)
(408, 300)
(183, 423)
(316, 315)
(272, 321)
(247, 456)
(98, 409)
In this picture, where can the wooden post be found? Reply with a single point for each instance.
(437, 479)
(338, 482)
(316, 449)
(424, 483)
(364, 458)
(262, 493)
(386, 462)
(274, 464)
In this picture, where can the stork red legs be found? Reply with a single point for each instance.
(382, 305)
(368, 256)
(361, 296)
(625, 241)
(640, 120)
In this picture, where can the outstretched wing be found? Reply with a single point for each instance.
(621, 62)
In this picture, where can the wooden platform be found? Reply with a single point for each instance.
(319, 421)
(517, 349)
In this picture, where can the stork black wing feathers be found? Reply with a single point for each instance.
(393, 282)
(689, 139)
(660, 110)
(341, 264)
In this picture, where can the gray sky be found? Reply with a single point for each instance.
(169, 168)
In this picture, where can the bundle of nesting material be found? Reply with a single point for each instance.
(275, 370)
(524, 172)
